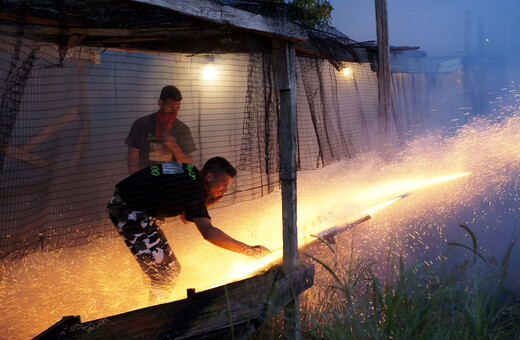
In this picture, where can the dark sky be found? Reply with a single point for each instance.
(437, 26)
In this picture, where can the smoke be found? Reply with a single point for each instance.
(418, 228)
(102, 278)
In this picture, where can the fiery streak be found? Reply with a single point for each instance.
(49, 285)
(382, 205)
(243, 270)
(418, 185)
(444, 179)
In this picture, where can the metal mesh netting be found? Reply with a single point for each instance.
(65, 117)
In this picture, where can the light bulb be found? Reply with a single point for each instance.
(209, 72)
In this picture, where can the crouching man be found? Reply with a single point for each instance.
(166, 190)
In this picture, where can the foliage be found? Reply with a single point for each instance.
(444, 302)
(314, 13)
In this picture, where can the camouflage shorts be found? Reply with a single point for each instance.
(146, 241)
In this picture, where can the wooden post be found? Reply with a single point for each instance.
(481, 38)
(384, 80)
(284, 65)
(467, 31)
(468, 75)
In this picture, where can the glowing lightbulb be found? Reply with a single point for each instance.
(346, 71)
(209, 72)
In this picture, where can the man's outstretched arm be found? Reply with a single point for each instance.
(221, 239)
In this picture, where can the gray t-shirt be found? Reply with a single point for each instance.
(151, 149)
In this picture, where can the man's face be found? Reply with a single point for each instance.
(217, 185)
(169, 106)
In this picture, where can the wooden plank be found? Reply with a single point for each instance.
(24, 152)
(231, 17)
(23, 155)
(54, 331)
(51, 130)
(139, 34)
(32, 19)
(244, 304)
(201, 10)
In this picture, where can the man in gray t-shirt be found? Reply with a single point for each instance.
(160, 137)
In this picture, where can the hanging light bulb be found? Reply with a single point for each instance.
(209, 72)
(346, 71)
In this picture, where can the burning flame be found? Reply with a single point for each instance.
(442, 179)
(382, 205)
(245, 269)
(418, 185)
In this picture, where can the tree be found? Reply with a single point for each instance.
(314, 13)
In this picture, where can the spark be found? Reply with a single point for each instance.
(101, 278)
(246, 269)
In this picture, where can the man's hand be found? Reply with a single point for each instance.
(171, 142)
(257, 251)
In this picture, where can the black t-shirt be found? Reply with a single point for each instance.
(166, 190)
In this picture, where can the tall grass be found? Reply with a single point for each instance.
(440, 301)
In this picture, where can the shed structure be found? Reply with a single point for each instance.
(76, 74)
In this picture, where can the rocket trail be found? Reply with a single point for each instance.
(275, 257)
(328, 234)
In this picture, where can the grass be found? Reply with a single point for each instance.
(441, 301)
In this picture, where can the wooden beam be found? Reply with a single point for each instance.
(32, 20)
(284, 64)
(384, 80)
(231, 17)
(25, 153)
(467, 31)
(285, 74)
(149, 33)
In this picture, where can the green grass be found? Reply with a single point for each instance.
(439, 301)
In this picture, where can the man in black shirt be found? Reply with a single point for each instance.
(166, 190)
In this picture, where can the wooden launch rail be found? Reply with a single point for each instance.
(231, 311)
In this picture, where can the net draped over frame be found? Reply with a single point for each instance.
(66, 114)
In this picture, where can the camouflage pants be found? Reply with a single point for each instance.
(146, 241)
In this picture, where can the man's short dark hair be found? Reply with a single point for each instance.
(219, 166)
(170, 92)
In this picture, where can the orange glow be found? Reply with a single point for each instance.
(383, 205)
(102, 278)
(243, 269)
(414, 185)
